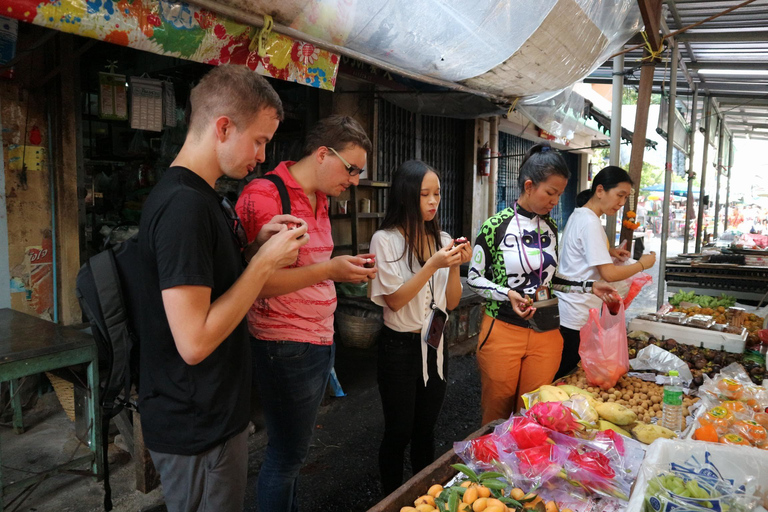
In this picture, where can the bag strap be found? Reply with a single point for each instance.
(110, 293)
(282, 190)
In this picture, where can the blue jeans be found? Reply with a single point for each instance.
(292, 378)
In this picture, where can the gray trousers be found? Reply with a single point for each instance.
(212, 481)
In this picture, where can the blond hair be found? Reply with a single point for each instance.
(232, 91)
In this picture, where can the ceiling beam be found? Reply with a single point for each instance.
(731, 36)
(738, 66)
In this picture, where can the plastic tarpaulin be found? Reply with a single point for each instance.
(510, 48)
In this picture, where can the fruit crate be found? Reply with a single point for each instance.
(691, 335)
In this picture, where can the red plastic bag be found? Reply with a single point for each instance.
(603, 348)
(638, 281)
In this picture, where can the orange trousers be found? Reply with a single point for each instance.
(513, 361)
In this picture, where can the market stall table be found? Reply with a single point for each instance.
(745, 282)
(30, 345)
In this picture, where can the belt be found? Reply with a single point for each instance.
(564, 285)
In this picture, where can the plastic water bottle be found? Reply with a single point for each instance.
(672, 406)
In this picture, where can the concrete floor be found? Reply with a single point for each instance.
(340, 474)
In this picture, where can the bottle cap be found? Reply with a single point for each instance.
(673, 373)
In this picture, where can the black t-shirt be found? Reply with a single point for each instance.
(185, 239)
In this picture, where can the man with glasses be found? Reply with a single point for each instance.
(195, 366)
(291, 324)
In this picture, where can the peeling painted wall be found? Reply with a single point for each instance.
(28, 206)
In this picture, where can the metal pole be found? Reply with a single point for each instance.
(691, 174)
(615, 154)
(704, 156)
(671, 116)
(719, 173)
(728, 184)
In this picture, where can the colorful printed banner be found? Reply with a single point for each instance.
(178, 29)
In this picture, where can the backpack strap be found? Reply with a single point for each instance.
(113, 308)
(281, 189)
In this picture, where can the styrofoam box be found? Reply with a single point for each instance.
(741, 464)
(692, 335)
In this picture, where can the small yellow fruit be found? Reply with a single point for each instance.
(483, 491)
(425, 507)
(435, 490)
(551, 506)
(566, 510)
(421, 500)
(493, 502)
(466, 483)
(496, 508)
(516, 494)
(408, 509)
(470, 496)
(480, 505)
(464, 507)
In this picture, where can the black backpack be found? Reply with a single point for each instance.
(108, 290)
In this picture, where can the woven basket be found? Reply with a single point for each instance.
(65, 392)
(357, 331)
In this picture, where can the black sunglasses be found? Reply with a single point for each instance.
(234, 223)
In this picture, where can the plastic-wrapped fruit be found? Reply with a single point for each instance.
(718, 417)
(706, 433)
(750, 430)
(734, 406)
(734, 439)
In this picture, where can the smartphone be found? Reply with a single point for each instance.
(369, 263)
(459, 241)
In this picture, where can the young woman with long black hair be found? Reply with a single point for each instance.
(586, 257)
(417, 284)
(515, 257)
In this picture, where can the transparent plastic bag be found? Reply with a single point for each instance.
(656, 358)
(480, 454)
(603, 349)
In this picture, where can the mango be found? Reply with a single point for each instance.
(607, 425)
(649, 433)
(552, 394)
(616, 413)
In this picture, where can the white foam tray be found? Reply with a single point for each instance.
(691, 335)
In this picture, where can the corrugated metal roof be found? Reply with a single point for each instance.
(727, 59)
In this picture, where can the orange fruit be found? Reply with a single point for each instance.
(761, 418)
(718, 417)
(734, 439)
(730, 388)
(706, 433)
(734, 406)
(750, 430)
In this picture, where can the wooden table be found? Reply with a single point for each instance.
(30, 345)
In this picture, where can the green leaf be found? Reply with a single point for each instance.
(453, 502)
(466, 470)
(510, 501)
(495, 484)
(490, 474)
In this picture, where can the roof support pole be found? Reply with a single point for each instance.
(719, 173)
(704, 158)
(638, 143)
(728, 183)
(493, 179)
(691, 173)
(617, 92)
(661, 296)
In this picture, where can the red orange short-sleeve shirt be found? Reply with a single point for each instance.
(305, 315)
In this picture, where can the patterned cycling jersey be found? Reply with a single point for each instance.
(506, 258)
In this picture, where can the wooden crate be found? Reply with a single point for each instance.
(439, 472)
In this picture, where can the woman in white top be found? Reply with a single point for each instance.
(417, 283)
(586, 257)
